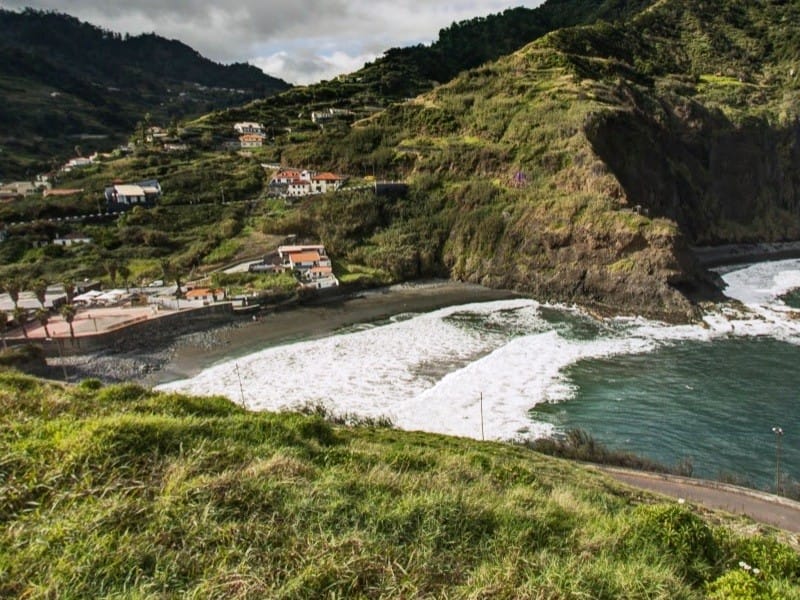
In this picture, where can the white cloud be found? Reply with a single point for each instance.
(301, 41)
(310, 67)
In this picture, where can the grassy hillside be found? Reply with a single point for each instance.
(406, 72)
(117, 491)
(579, 167)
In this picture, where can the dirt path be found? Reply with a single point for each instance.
(759, 506)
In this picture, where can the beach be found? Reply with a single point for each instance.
(151, 364)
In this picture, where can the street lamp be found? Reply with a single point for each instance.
(778, 435)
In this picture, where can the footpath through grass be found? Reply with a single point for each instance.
(122, 492)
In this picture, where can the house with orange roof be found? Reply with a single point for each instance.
(205, 294)
(296, 183)
(323, 183)
(251, 140)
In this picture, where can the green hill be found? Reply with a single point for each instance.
(406, 72)
(120, 492)
(65, 82)
(579, 167)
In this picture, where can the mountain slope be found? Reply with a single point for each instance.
(406, 72)
(61, 79)
(580, 167)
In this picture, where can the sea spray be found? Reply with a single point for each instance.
(427, 372)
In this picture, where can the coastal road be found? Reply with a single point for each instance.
(762, 507)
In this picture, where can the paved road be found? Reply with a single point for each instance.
(759, 506)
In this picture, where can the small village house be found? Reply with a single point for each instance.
(245, 128)
(251, 140)
(207, 295)
(124, 196)
(71, 239)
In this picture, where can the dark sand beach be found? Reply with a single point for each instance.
(189, 354)
(308, 322)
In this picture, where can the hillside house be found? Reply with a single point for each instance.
(71, 239)
(124, 196)
(320, 117)
(205, 294)
(311, 264)
(298, 188)
(76, 163)
(323, 183)
(251, 140)
(246, 128)
(20, 188)
(294, 183)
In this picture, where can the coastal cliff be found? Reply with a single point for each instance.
(583, 166)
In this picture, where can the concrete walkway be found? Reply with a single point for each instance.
(762, 507)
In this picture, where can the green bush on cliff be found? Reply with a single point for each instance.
(121, 491)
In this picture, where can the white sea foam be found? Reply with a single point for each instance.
(429, 372)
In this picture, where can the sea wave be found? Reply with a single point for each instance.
(476, 370)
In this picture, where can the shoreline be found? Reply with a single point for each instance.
(191, 353)
(737, 254)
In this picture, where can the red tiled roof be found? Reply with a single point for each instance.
(201, 292)
(297, 257)
(326, 177)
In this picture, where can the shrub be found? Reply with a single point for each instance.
(683, 537)
(738, 584)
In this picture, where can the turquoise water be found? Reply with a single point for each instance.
(712, 402)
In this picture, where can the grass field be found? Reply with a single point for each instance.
(111, 492)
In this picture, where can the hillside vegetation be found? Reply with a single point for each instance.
(118, 491)
(63, 81)
(580, 167)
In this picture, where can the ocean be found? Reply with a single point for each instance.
(515, 369)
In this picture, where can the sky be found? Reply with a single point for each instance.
(300, 41)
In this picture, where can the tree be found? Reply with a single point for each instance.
(3, 325)
(111, 268)
(171, 273)
(43, 316)
(69, 289)
(125, 273)
(21, 317)
(13, 287)
(39, 288)
(68, 312)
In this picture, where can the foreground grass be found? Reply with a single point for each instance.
(121, 492)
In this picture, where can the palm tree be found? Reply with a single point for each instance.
(21, 317)
(125, 274)
(13, 287)
(111, 268)
(69, 289)
(43, 316)
(171, 273)
(39, 288)
(68, 312)
(3, 325)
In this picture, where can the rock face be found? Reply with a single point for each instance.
(582, 167)
(720, 182)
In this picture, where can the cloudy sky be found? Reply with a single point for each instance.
(301, 41)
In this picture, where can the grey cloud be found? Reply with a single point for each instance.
(317, 35)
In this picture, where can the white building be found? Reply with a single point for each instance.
(248, 128)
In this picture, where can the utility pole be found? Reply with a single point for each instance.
(241, 388)
(483, 437)
(778, 435)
